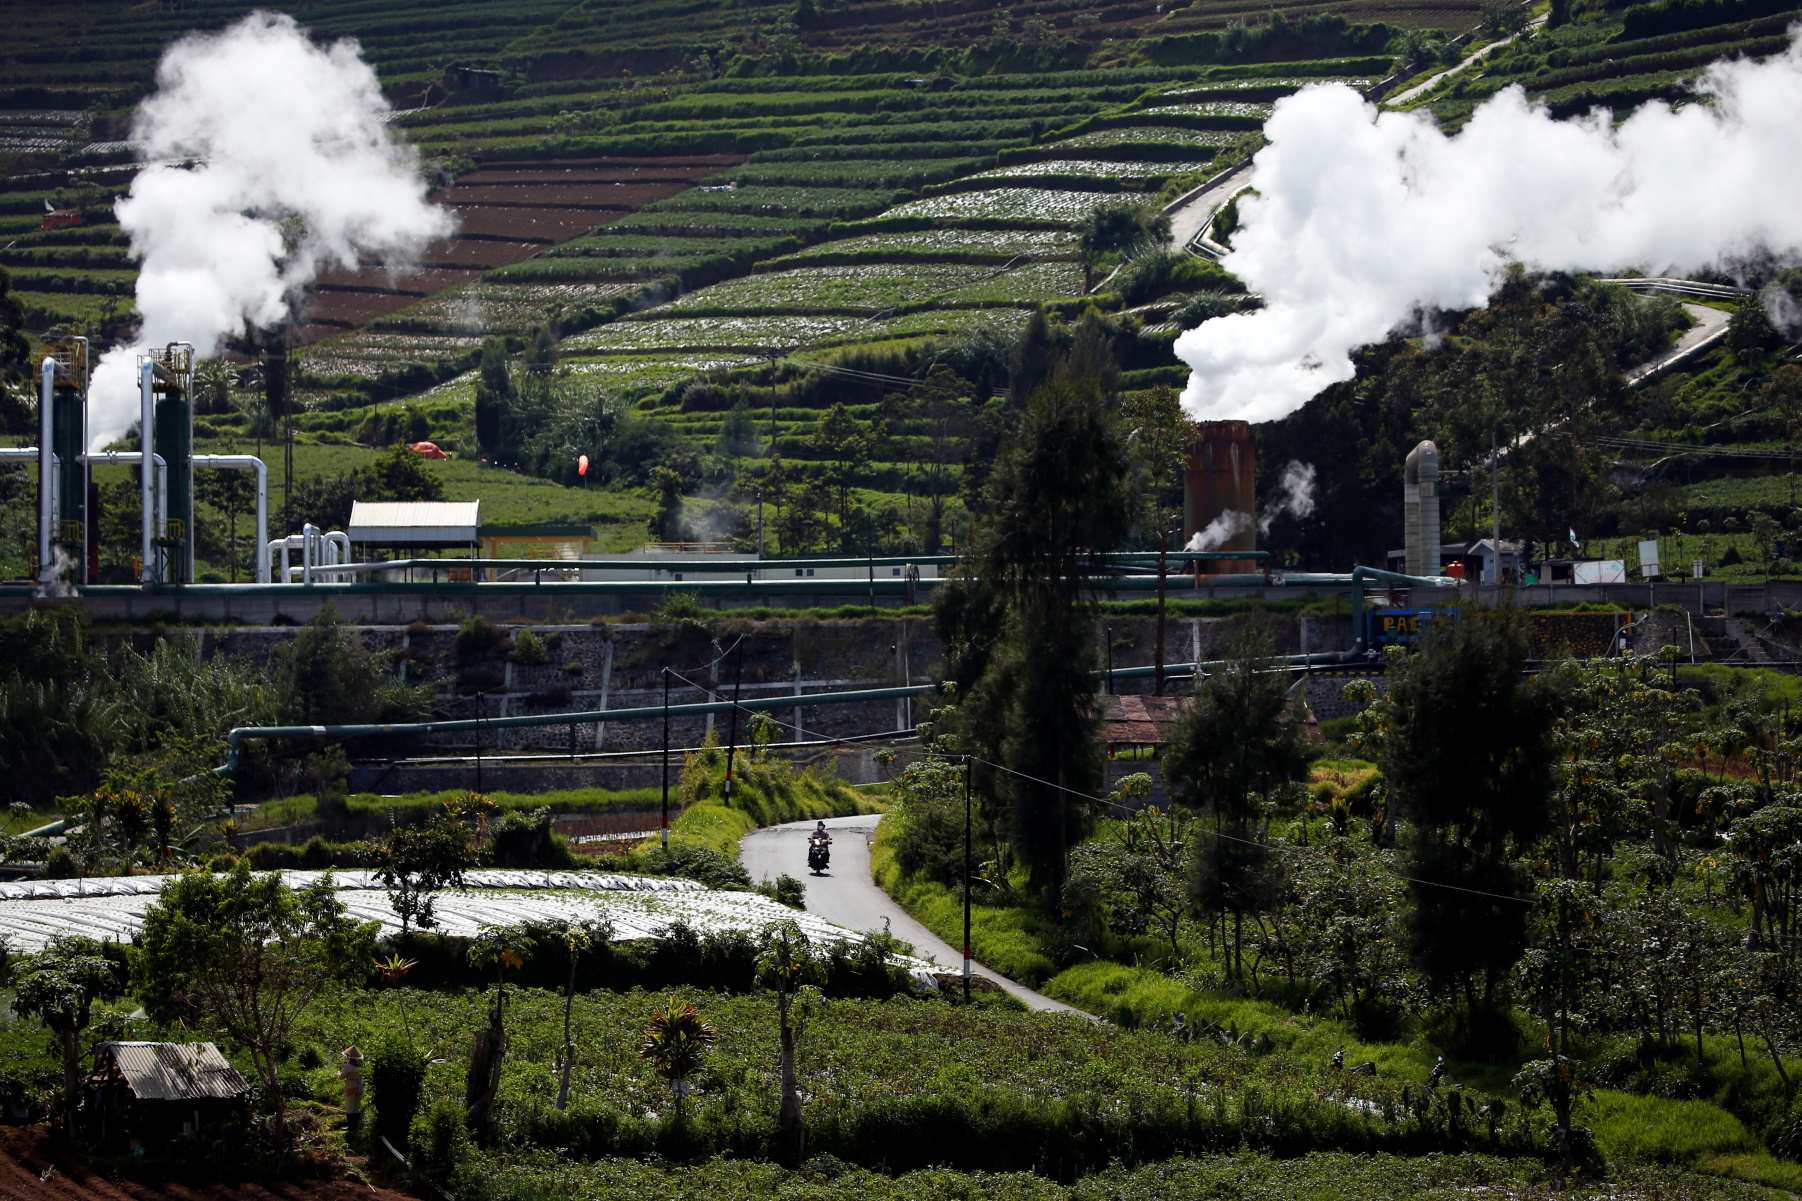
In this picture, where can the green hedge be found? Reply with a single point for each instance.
(1671, 16)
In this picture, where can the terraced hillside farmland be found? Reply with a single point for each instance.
(109, 48)
(1617, 61)
(506, 212)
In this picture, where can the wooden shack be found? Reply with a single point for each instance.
(142, 1095)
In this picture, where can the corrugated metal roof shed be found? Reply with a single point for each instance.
(415, 521)
(1139, 720)
(174, 1071)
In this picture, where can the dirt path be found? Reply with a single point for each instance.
(847, 895)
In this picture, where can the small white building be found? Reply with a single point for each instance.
(416, 529)
(1484, 552)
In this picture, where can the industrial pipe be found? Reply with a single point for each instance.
(147, 410)
(46, 468)
(740, 566)
(159, 468)
(252, 463)
(234, 740)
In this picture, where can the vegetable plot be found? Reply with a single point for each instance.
(637, 907)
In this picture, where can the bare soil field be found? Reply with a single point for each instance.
(506, 212)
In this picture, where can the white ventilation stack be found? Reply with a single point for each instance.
(1420, 509)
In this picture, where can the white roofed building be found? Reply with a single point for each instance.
(415, 529)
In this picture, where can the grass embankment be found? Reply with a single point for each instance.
(765, 792)
(291, 810)
(1006, 938)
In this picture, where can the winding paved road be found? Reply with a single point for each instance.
(1476, 56)
(1190, 214)
(847, 895)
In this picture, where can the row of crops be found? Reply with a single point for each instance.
(978, 252)
(1612, 63)
(109, 47)
(81, 274)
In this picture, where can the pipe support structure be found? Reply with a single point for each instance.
(249, 463)
(46, 467)
(147, 432)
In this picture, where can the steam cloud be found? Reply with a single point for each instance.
(296, 174)
(1294, 496)
(1363, 219)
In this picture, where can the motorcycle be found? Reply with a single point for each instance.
(819, 854)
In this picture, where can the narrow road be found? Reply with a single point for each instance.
(846, 894)
(1190, 214)
(1476, 57)
(1710, 327)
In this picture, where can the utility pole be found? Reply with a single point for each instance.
(666, 758)
(1110, 659)
(481, 706)
(738, 680)
(967, 874)
(1163, 553)
(1495, 507)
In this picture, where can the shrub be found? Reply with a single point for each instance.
(315, 854)
(699, 863)
(396, 1077)
(440, 1140)
(785, 890)
(523, 838)
(476, 638)
(529, 650)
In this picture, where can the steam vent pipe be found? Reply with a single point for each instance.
(1420, 509)
(1220, 486)
(46, 478)
(146, 484)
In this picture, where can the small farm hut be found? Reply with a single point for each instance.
(144, 1094)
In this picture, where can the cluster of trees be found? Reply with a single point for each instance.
(1612, 855)
(533, 418)
(85, 718)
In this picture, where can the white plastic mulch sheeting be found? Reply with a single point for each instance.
(352, 878)
(112, 909)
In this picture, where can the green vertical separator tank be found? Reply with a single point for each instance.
(68, 442)
(174, 441)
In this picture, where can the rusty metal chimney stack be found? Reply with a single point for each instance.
(1222, 478)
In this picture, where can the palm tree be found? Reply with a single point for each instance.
(676, 1041)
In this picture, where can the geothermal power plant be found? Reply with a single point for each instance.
(1221, 518)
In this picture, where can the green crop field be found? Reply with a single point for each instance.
(866, 289)
(943, 245)
(1002, 207)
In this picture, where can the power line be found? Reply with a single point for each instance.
(1104, 801)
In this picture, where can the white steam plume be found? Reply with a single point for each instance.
(296, 173)
(1362, 219)
(1294, 495)
(1219, 531)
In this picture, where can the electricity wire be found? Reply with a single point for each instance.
(1252, 842)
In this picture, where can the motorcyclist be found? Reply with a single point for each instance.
(818, 844)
